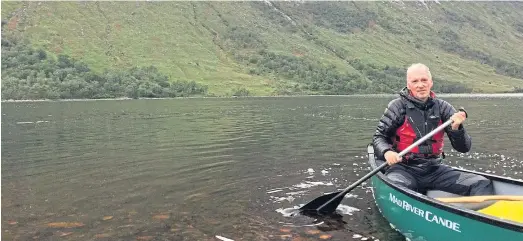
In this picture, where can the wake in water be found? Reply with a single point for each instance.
(292, 192)
(342, 209)
(346, 219)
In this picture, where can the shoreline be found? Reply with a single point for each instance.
(269, 96)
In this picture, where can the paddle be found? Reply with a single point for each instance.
(328, 203)
(478, 199)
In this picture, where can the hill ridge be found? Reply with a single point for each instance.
(275, 48)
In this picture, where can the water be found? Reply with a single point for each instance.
(211, 169)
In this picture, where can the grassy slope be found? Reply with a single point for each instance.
(186, 40)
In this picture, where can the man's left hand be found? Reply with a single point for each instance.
(458, 118)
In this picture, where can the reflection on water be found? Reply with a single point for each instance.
(211, 169)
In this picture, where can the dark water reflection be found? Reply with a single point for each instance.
(195, 169)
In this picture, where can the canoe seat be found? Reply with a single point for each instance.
(471, 206)
(503, 209)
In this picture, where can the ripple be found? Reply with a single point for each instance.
(241, 167)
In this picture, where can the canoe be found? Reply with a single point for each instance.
(423, 217)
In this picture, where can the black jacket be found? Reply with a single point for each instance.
(394, 116)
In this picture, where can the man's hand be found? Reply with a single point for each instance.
(392, 157)
(458, 118)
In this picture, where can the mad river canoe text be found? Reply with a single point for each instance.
(427, 215)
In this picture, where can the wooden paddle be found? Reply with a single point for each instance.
(478, 199)
(328, 203)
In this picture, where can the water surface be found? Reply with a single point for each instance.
(203, 169)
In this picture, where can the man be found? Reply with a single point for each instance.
(413, 115)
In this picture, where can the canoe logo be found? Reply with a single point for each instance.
(426, 215)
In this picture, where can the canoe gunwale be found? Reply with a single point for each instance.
(507, 224)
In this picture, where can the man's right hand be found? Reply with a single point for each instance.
(392, 157)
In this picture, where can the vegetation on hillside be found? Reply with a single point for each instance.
(255, 48)
(451, 43)
(28, 73)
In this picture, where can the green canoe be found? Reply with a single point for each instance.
(422, 217)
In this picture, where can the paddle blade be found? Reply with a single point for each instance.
(313, 206)
(509, 210)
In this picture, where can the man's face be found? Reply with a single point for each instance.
(419, 83)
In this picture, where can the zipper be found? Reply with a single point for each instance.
(425, 127)
(414, 124)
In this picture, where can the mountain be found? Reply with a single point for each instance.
(261, 47)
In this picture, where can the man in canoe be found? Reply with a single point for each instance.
(413, 115)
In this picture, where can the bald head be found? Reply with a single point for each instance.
(419, 81)
(419, 68)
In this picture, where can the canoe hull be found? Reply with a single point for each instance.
(421, 218)
(419, 221)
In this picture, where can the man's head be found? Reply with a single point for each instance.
(419, 81)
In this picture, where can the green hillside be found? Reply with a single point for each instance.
(270, 48)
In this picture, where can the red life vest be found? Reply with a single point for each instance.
(417, 124)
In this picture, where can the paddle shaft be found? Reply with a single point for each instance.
(402, 153)
(478, 199)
